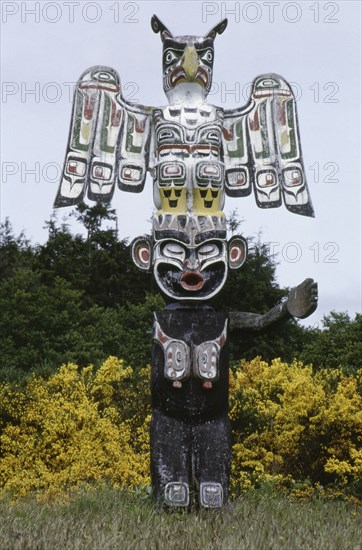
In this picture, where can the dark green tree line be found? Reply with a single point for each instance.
(80, 298)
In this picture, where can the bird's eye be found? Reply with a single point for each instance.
(208, 56)
(169, 57)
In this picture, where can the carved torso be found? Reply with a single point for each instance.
(189, 169)
(190, 349)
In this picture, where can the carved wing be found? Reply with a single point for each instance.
(262, 148)
(108, 143)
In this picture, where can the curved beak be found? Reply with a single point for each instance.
(190, 62)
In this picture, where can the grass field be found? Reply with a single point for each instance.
(108, 519)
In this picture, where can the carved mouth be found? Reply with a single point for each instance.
(192, 280)
(178, 75)
(176, 284)
(202, 77)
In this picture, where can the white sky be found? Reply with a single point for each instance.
(45, 46)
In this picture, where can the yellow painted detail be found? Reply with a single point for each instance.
(284, 138)
(173, 199)
(207, 201)
(190, 62)
(85, 132)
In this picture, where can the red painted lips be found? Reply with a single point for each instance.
(192, 280)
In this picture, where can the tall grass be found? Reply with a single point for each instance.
(108, 519)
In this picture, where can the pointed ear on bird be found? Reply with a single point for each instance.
(218, 29)
(159, 27)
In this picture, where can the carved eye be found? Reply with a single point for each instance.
(169, 57)
(208, 56)
(268, 83)
(208, 251)
(102, 75)
(174, 250)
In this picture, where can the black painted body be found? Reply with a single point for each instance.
(190, 430)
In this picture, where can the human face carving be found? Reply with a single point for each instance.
(190, 273)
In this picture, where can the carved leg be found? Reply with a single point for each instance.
(211, 459)
(170, 459)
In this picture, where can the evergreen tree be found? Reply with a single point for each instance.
(99, 265)
(81, 299)
(15, 252)
(338, 345)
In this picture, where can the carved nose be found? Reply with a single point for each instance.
(190, 62)
(192, 263)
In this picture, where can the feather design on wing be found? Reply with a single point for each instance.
(108, 141)
(262, 148)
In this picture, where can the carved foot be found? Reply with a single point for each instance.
(211, 495)
(177, 494)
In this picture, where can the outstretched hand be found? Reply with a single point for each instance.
(303, 299)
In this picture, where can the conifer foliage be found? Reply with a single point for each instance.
(79, 298)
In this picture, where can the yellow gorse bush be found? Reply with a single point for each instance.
(290, 425)
(71, 429)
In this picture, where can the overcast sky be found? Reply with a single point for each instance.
(314, 45)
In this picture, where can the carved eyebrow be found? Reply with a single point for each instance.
(204, 46)
(175, 50)
(174, 45)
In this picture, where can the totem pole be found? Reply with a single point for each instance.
(196, 153)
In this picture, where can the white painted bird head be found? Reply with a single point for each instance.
(187, 59)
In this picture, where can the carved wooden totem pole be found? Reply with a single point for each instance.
(196, 153)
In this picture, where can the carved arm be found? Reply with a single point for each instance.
(301, 302)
